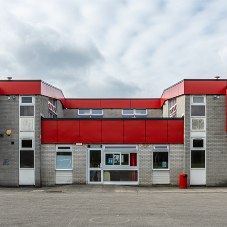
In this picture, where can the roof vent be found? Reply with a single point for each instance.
(216, 77)
(9, 78)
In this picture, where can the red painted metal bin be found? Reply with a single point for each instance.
(183, 180)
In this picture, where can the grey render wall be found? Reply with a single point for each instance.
(216, 141)
(49, 159)
(9, 115)
(60, 110)
(111, 113)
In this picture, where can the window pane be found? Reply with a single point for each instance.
(95, 158)
(26, 143)
(95, 175)
(128, 111)
(109, 159)
(197, 159)
(160, 160)
(197, 143)
(124, 159)
(64, 160)
(197, 110)
(64, 148)
(96, 111)
(26, 159)
(26, 110)
(116, 159)
(140, 111)
(26, 100)
(84, 111)
(198, 99)
(120, 175)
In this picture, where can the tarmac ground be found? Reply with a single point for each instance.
(111, 205)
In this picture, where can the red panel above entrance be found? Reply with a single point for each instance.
(112, 131)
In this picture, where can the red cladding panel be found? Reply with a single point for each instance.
(112, 131)
(90, 131)
(66, 103)
(115, 103)
(20, 87)
(134, 131)
(49, 131)
(205, 87)
(156, 131)
(68, 131)
(145, 103)
(226, 111)
(85, 103)
(175, 131)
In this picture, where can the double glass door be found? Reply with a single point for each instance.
(94, 166)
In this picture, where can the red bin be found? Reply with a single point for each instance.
(183, 180)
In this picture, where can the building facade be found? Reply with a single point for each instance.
(47, 139)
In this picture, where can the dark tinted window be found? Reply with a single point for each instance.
(27, 111)
(197, 110)
(26, 159)
(197, 159)
(26, 143)
(26, 99)
(197, 143)
(160, 160)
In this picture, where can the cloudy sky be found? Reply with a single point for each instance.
(113, 48)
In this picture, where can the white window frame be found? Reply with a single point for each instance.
(90, 114)
(159, 148)
(63, 150)
(134, 112)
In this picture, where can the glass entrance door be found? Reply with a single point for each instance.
(94, 166)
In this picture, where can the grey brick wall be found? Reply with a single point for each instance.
(145, 164)
(9, 120)
(49, 159)
(79, 164)
(176, 157)
(216, 141)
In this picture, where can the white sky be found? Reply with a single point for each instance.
(113, 48)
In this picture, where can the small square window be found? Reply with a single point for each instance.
(198, 99)
(160, 160)
(26, 99)
(197, 142)
(197, 110)
(26, 143)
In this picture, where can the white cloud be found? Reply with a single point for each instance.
(122, 48)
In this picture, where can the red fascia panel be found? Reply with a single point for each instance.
(84, 103)
(205, 87)
(20, 87)
(112, 131)
(134, 131)
(175, 131)
(156, 131)
(50, 91)
(68, 131)
(145, 103)
(49, 131)
(115, 103)
(66, 103)
(90, 131)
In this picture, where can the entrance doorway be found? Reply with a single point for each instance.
(94, 166)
